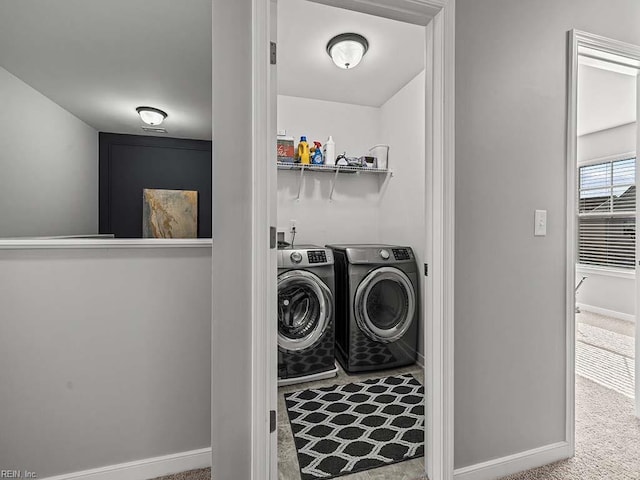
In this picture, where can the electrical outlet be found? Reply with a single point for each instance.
(292, 225)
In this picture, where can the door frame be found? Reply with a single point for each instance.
(578, 39)
(439, 18)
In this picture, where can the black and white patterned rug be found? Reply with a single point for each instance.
(359, 426)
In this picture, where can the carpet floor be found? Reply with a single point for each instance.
(607, 439)
(607, 431)
(201, 474)
(605, 352)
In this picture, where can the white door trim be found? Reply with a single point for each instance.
(637, 366)
(418, 12)
(263, 258)
(579, 39)
(439, 331)
(570, 272)
(440, 323)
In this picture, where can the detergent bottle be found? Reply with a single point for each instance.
(286, 147)
(317, 154)
(329, 151)
(303, 155)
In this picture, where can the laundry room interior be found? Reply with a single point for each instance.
(351, 223)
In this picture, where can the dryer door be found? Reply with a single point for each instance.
(385, 304)
(304, 310)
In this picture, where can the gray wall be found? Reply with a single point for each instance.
(510, 159)
(232, 227)
(48, 165)
(104, 356)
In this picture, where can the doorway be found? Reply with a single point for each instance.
(602, 294)
(354, 404)
(244, 372)
(365, 192)
(606, 163)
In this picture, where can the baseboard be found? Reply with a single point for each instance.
(420, 359)
(518, 462)
(607, 313)
(144, 469)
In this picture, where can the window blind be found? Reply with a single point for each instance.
(606, 210)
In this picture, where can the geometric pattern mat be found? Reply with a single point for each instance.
(349, 428)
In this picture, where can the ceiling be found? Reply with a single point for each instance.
(396, 54)
(101, 59)
(606, 98)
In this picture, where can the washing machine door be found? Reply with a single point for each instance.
(385, 304)
(304, 310)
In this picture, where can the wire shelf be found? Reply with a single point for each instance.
(335, 169)
(330, 168)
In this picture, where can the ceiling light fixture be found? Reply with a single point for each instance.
(347, 49)
(151, 116)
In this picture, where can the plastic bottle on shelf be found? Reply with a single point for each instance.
(316, 159)
(329, 151)
(303, 155)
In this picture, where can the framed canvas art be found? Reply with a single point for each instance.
(169, 213)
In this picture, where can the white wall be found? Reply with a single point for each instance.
(608, 293)
(603, 292)
(612, 141)
(104, 356)
(353, 214)
(402, 209)
(510, 305)
(48, 165)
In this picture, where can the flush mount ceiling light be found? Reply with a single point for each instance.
(347, 49)
(151, 116)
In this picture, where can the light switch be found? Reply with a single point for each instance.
(540, 227)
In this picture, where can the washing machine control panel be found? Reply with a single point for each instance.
(317, 256)
(302, 257)
(401, 254)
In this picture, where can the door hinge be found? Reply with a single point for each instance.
(272, 421)
(274, 53)
(426, 269)
(273, 234)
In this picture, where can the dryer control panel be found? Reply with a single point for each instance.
(376, 254)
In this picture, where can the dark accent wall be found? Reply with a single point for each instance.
(131, 163)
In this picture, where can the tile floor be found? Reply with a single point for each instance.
(288, 468)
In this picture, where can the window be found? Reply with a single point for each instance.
(607, 214)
